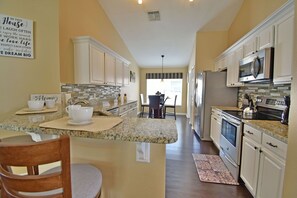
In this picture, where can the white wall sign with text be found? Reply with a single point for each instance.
(16, 37)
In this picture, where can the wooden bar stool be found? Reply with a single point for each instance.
(67, 180)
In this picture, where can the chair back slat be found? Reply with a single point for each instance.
(31, 155)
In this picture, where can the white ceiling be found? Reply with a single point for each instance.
(174, 34)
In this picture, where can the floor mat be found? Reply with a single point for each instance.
(212, 169)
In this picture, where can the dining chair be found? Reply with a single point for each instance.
(143, 104)
(155, 108)
(67, 180)
(172, 107)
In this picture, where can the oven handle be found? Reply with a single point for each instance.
(227, 157)
(229, 120)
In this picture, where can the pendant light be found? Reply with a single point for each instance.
(162, 77)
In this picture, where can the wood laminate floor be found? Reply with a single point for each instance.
(182, 179)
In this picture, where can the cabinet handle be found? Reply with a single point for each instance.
(251, 133)
(215, 119)
(255, 148)
(272, 145)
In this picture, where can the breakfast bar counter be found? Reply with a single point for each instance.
(159, 131)
(126, 154)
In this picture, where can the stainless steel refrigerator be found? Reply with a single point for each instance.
(210, 90)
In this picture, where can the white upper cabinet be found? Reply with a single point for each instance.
(96, 64)
(250, 46)
(283, 52)
(233, 69)
(266, 38)
(110, 68)
(119, 72)
(126, 76)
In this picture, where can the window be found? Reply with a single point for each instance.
(169, 87)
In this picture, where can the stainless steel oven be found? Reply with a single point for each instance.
(230, 143)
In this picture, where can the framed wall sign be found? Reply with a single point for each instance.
(16, 37)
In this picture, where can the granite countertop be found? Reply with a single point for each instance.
(159, 131)
(223, 108)
(273, 128)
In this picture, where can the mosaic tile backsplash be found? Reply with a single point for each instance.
(91, 92)
(265, 90)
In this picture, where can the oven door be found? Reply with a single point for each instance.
(230, 142)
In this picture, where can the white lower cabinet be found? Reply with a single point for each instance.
(262, 163)
(250, 164)
(271, 175)
(215, 127)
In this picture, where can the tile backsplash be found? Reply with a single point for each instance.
(263, 90)
(91, 91)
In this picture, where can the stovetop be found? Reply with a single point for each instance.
(255, 116)
(268, 108)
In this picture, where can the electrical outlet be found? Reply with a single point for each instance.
(143, 152)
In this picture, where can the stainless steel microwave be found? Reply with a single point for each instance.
(257, 67)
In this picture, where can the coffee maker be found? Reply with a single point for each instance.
(285, 114)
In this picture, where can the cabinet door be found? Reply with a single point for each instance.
(250, 158)
(119, 72)
(126, 74)
(215, 131)
(233, 69)
(271, 176)
(283, 50)
(96, 65)
(266, 38)
(250, 46)
(110, 64)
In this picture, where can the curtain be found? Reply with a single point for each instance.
(165, 75)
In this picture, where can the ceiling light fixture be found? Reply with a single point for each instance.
(191, 0)
(139, 2)
(162, 78)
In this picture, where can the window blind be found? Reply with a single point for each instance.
(165, 75)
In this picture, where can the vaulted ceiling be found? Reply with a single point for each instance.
(174, 34)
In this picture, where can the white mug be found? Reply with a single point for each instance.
(82, 114)
(50, 103)
(70, 108)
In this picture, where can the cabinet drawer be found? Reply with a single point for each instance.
(217, 113)
(123, 108)
(132, 105)
(252, 133)
(276, 146)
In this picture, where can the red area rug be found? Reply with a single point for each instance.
(212, 169)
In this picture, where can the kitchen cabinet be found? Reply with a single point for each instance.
(128, 110)
(110, 68)
(126, 73)
(283, 49)
(94, 63)
(233, 69)
(250, 46)
(250, 158)
(262, 163)
(266, 38)
(119, 72)
(215, 126)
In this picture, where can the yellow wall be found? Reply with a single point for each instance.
(184, 70)
(87, 18)
(20, 77)
(252, 13)
(208, 46)
(123, 177)
(290, 182)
